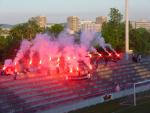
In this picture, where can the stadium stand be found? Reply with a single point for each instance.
(42, 93)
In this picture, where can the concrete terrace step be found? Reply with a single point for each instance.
(77, 99)
(31, 85)
(47, 96)
(29, 80)
(7, 79)
(55, 105)
(35, 95)
(36, 104)
(37, 99)
(46, 92)
(43, 83)
(123, 64)
(83, 88)
(52, 100)
(30, 91)
(130, 65)
(118, 69)
(129, 73)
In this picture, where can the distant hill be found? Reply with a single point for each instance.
(6, 26)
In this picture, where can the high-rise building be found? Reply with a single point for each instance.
(101, 19)
(5, 29)
(41, 20)
(73, 23)
(141, 24)
(90, 26)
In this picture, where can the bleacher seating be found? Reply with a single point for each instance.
(38, 93)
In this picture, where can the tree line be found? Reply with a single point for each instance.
(113, 31)
(10, 44)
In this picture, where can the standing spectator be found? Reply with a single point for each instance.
(117, 88)
(15, 75)
(139, 57)
(134, 58)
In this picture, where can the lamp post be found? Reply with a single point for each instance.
(126, 31)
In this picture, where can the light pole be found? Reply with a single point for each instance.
(126, 31)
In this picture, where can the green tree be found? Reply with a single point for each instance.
(140, 41)
(26, 30)
(10, 45)
(17, 31)
(32, 28)
(115, 16)
(113, 30)
(56, 29)
(1, 31)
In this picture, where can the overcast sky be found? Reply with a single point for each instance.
(18, 11)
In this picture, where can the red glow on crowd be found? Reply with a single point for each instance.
(4, 68)
(16, 70)
(109, 54)
(30, 62)
(90, 55)
(100, 55)
(40, 62)
(77, 68)
(74, 57)
(15, 67)
(70, 70)
(58, 60)
(62, 55)
(50, 58)
(90, 66)
(68, 58)
(118, 55)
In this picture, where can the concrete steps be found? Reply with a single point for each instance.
(29, 95)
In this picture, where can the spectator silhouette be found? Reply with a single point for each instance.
(136, 58)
